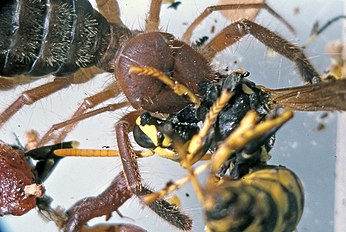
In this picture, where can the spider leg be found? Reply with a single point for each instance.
(132, 173)
(30, 96)
(33, 95)
(109, 92)
(128, 156)
(9, 83)
(187, 35)
(153, 19)
(110, 9)
(105, 203)
(235, 31)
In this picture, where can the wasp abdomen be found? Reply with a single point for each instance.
(41, 37)
(270, 199)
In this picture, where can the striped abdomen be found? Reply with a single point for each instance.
(270, 199)
(40, 37)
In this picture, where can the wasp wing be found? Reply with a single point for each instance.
(328, 96)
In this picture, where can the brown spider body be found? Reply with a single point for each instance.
(169, 55)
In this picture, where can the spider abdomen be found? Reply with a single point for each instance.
(50, 37)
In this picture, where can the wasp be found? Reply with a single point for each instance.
(175, 57)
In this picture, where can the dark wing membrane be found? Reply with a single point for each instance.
(327, 96)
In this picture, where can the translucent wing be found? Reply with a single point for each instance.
(329, 95)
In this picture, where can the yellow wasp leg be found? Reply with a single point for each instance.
(197, 140)
(247, 131)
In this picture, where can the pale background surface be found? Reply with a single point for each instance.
(310, 153)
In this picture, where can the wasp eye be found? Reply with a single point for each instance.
(142, 139)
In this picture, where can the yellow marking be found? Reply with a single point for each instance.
(238, 70)
(151, 132)
(265, 156)
(167, 153)
(138, 121)
(178, 88)
(167, 141)
(174, 200)
(286, 178)
(75, 144)
(246, 89)
(270, 180)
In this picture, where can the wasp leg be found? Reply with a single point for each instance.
(88, 103)
(198, 140)
(110, 10)
(235, 31)
(152, 197)
(153, 19)
(178, 88)
(187, 35)
(247, 131)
